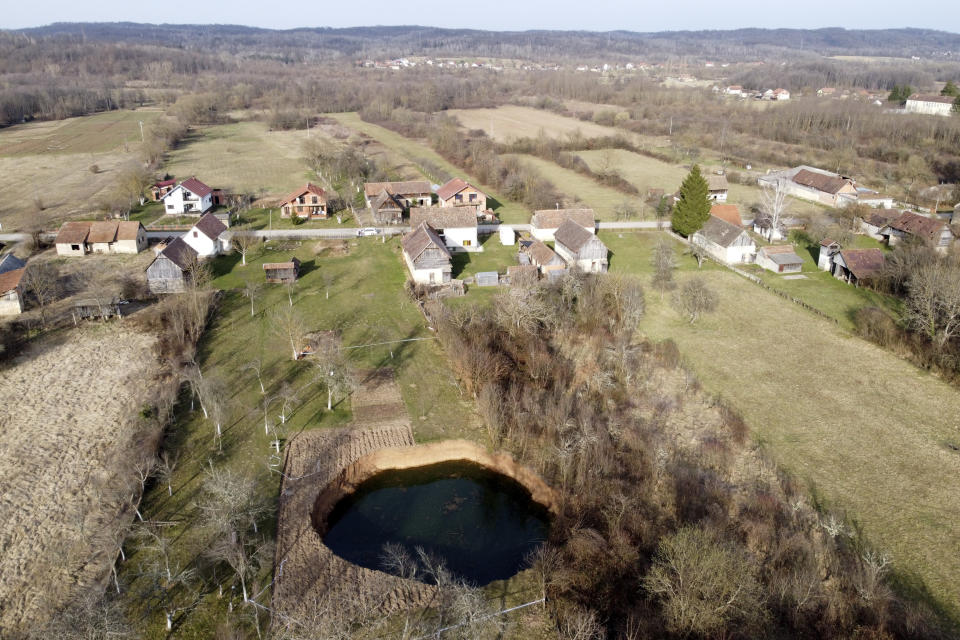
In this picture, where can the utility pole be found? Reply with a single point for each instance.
(141, 131)
(671, 126)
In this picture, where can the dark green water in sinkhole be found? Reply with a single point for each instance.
(479, 523)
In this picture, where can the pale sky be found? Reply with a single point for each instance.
(513, 15)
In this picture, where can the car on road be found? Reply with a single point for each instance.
(367, 231)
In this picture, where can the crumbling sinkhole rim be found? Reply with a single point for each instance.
(519, 521)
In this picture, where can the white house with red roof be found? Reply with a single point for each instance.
(460, 193)
(205, 237)
(190, 196)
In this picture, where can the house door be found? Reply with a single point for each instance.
(433, 277)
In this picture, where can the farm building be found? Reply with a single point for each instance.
(387, 208)
(190, 196)
(718, 186)
(579, 247)
(781, 94)
(170, 270)
(857, 265)
(309, 201)
(205, 237)
(508, 237)
(487, 279)
(426, 255)
(282, 272)
(934, 105)
(545, 222)
(874, 221)
(873, 198)
(933, 231)
(456, 225)
(412, 193)
(96, 309)
(12, 270)
(725, 242)
(105, 236)
(813, 184)
(161, 188)
(828, 249)
(542, 257)
(459, 193)
(779, 259)
(728, 212)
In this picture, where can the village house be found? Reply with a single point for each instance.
(282, 272)
(828, 249)
(934, 105)
(724, 241)
(578, 247)
(161, 188)
(813, 184)
(12, 270)
(876, 220)
(826, 91)
(857, 266)
(190, 196)
(933, 231)
(459, 193)
(779, 259)
(412, 193)
(718, 187)
(545, 222)
(426, 256)
(387, 208)
(205, 236)
(542, 257)
(456, 225)
(734, 90)
(873, 198)
(728, 212)
(78, 238)
(780, 94)
(309, 201)
(170, 270)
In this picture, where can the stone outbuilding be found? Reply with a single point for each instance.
(426, 256)
(580, 248)
(725, 242)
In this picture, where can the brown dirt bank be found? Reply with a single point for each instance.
(399, 458)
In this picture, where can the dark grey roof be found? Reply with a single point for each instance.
(416, 242)
(720, 231)
(11, 262)
(180, 253)
(210, 226)
(572, 235)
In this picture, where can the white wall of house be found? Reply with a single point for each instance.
(426, 276)
(929, 108)
(102, 247)
(131, 246)
(718, 196)
(64, 249)
(10, 303)
(461, 239)
(770, 265)
(870, 230)
(825, 258)
(178, 201)
(546, 235)
(742, 251)
(202, 244)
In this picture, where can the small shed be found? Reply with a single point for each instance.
(101, 309)
(508, 237)
(282, 272)
(828, 249)
(779, 259)
(487, 279)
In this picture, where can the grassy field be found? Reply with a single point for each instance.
(243, 157)
(417, 153)
(366, 304)
(96, 133)
(865, 430)
(510, 122)
(577, 187)
(45, 167)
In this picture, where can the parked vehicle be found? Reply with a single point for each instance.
(367, 231)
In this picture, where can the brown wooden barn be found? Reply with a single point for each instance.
(282, 272)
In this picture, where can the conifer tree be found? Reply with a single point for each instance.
(950, 89)
(693, 208)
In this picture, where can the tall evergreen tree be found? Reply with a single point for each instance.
(956, 105)
(693, 208)
(950, 89)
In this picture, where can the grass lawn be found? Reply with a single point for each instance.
(417, 153)
(579, 188)
(868, 432)
(367, 304)
(260, 218)
(494, 257)
(245, 157)
(149, 212)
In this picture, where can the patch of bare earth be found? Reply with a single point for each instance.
(68, 411)
(308, 575)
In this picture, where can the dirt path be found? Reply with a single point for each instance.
(65, 413)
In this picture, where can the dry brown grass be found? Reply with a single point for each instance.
(869, 432)
(67, 407)
(510, 122)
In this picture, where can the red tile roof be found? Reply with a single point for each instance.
(128, 230)
(920, 226)
(454, 187)
(103, 231)
(308, 188)
(73, 232)
(863, 263)
(195, 186)
(10, 280)
(728, 212)
(165, 183)
(820, 182)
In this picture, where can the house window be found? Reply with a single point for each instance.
(466, 243)
(194, 234)
(473, 197)
(313, 199)
(459, 197)
(169, 207)
(75, 247)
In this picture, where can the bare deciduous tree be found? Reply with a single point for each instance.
(288, 324)
(251, 290)
(664, 264)
(694, 299)
(933, 301)
(774, 205)
(42, 281)
(244, 243)
(256, 366)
